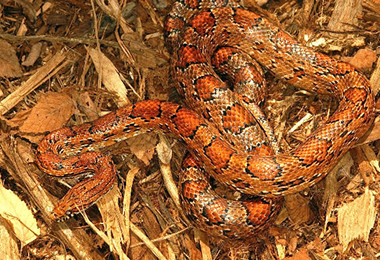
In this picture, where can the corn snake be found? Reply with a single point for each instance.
(222, 129)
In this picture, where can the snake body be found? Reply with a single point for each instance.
(227, 135)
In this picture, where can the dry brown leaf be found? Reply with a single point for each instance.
(355, 219)
(9, 65)
(16, 212)
(364, 59)
(19, 118)
(87, 106)
(298, 209)
(52, 111)
(143, 146)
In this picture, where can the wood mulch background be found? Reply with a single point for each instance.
(67, 62)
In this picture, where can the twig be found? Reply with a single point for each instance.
(49, 38)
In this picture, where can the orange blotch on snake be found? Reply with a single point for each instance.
(356, 95)
(263, 168)
(203, 23)
(146, 109)
(173, 24)
(233, 119)
(246, 19)
(188, 54)
(313, 151)
(207, 85)
(191, 3)
(186, 123)
(219, 153)
(223, 55)
(214, 211)
(190, 189)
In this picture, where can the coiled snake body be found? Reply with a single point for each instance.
(227, 135)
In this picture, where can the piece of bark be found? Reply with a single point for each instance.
(356, 219)
(345, 17)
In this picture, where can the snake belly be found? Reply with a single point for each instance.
(228, 137)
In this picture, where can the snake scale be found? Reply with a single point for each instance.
(216, 46)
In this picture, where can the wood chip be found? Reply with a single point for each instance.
(344, 16)
(109, 75)
(355, 219)
(33, 55)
